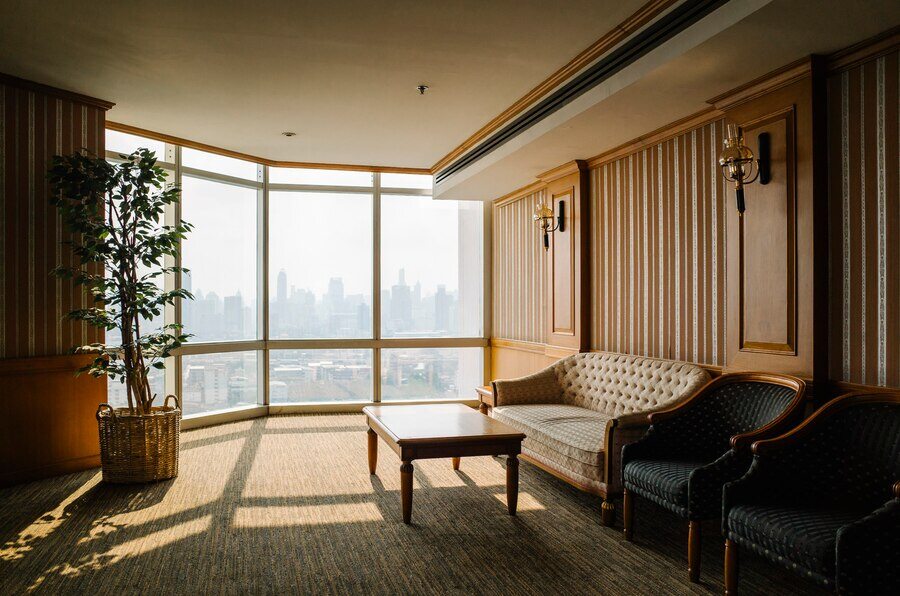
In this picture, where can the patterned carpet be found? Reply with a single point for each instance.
(286, 505)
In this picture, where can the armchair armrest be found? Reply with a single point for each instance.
(622, 431)
(539, 388)
(867, 551)
(788, 419)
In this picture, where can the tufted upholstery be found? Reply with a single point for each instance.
(618, 384)
(699, 434)
(566, 409)
(819, 500)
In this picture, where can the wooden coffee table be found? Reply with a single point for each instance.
(441, 430)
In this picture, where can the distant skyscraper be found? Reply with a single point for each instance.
(281, 291)
(442, 309)
(234, 315)
(401, 304)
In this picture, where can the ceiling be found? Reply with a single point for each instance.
(342, 75)
(740, 42)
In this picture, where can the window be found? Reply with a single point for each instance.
(214, 382)
(417, 181)
(430, 373)
(320, 376)
(431, 267)
(124, 143)
(219, 164)
(320, 265)
(221, 254)
(287, 307)
(315, 177)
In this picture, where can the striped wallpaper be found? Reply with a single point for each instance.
(33, 127)
(658, 250)
(864, 217)
(519, 269)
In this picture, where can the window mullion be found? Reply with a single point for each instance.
(376, 286)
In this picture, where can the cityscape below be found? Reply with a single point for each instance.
(212, 382)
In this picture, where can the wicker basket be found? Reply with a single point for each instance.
(139, 448)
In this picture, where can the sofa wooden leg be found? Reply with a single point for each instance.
(627, 515)
(731, 568)
(607, 513)
(694, 550)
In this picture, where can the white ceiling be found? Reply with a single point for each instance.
(342, 75)
(674, 82)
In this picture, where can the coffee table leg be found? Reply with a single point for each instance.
(406, 486)
(455, 463)
(373, 451)
(512, 483)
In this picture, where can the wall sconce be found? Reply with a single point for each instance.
(543, 217)
(739, 165)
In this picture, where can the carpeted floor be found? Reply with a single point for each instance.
(285, 505)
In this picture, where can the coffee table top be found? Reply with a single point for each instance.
(437, 423)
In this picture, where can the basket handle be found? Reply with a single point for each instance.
(177, 403)
(100, 408)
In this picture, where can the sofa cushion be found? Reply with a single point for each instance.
(665, 482)
(618, 384)
(575, 432)
(798, 537)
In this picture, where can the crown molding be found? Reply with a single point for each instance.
(157, 136)
(767, 83)
(663, 133)
(519, 193)
(20, 83)
(868, 49)
(566, 169)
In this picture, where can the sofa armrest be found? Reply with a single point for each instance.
(539, 388)
(620, 432)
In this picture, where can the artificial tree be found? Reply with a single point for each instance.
(114, 212)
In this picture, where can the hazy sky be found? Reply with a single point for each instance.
(317, 236)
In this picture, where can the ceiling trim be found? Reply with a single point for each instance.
(767, 83)
(158, 136)
(616, 35)
(6, 79)
(874, 47)
(566, 169)
(519, 193)
(663, 133)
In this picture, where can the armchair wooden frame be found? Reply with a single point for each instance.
(795, 436)
(739, 443)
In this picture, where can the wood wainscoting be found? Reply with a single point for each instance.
(48, 426)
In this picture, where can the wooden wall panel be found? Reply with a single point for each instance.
(48, 425)
(568, 277)
(519, 270)
(658, 250)
(864, 222)
(34, 126)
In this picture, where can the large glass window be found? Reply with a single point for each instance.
(221, 254)
(430, 373)
(431, 267)
(288, 310)
(320, 265)
(214, 382)
(320, 375)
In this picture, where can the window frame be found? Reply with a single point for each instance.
(171, 161)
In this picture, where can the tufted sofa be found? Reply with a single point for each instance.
(578, 413)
